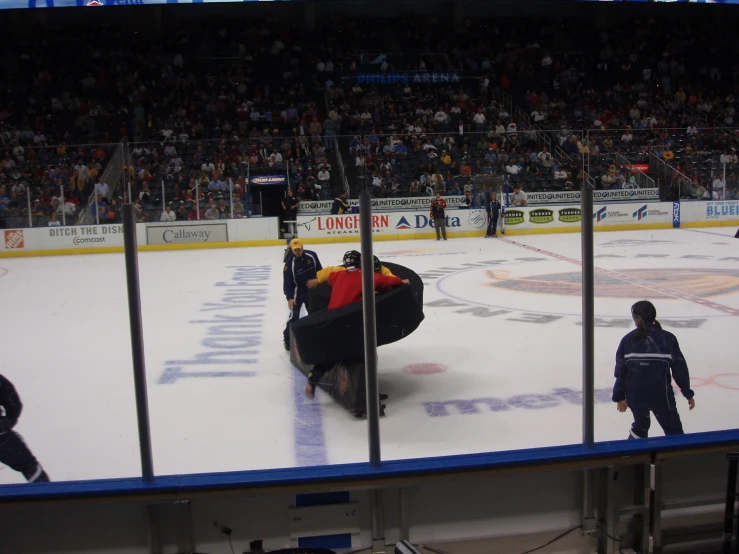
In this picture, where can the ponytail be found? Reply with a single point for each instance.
(647, 314)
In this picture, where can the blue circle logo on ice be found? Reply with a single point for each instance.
(662, 283)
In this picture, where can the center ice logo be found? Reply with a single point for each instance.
(704, 283)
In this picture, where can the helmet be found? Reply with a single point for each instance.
(377, 264)
(352, 260)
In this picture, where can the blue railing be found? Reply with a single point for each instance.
(362, 472)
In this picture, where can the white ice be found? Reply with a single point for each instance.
(66, 348)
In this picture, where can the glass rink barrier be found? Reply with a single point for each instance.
(217, 350)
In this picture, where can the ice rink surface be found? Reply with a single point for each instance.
(496, 365)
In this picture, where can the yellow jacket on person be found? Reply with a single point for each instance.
(322, 275)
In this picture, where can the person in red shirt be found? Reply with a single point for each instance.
(347, 289)
(347, 285)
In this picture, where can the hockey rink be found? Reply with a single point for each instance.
(496, 365)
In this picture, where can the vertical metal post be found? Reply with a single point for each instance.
(643, 496)
(28, 198)
(287, 173)
(656, 504)
(370, 330)
(164, 200)
(197, 199)
(137, 341)
(404, 525)
(378, 518)
(588, 317)
(155, 543)
(248, 207)
(97, 208)
(64, 211)
(261, 203)
(588, 350)
(729, 507)
(231, 195)
(608, 510)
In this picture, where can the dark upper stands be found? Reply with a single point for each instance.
(215, 104)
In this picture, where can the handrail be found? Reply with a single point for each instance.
(360, 474)
(644, 180)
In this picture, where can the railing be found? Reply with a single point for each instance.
(696, 114)
(561, 155)
(643, 180)
(111, 174)
(674, 184)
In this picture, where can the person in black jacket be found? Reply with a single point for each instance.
(290, 206)
(340, 206)
(643, 379)
(301, 266)
(493, 215)
(13, 451)
(438, 205)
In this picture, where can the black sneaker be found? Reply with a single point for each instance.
(383, 397)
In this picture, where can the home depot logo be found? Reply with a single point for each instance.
(14, 239)
(600, 215)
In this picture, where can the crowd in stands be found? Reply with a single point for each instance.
(577, 91)
(198, 126)
(541, 104)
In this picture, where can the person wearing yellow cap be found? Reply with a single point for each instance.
(301, 266)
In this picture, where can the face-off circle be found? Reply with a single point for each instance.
(425, 369)
(726, 381)
(689, 292)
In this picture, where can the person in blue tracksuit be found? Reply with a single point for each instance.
(301, 266)
(647, 360)
(493, 215)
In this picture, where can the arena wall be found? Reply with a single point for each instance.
(387, 225)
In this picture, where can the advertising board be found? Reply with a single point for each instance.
(471, 222)
(396, 224)
(708, 213)
(186, 233)
(573, 196)
(382, 204)
(57, 238)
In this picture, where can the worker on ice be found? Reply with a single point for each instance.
(13, 450)
(301, 266)
(643, 378)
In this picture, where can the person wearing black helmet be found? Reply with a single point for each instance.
(647, 360)
(323, 275)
